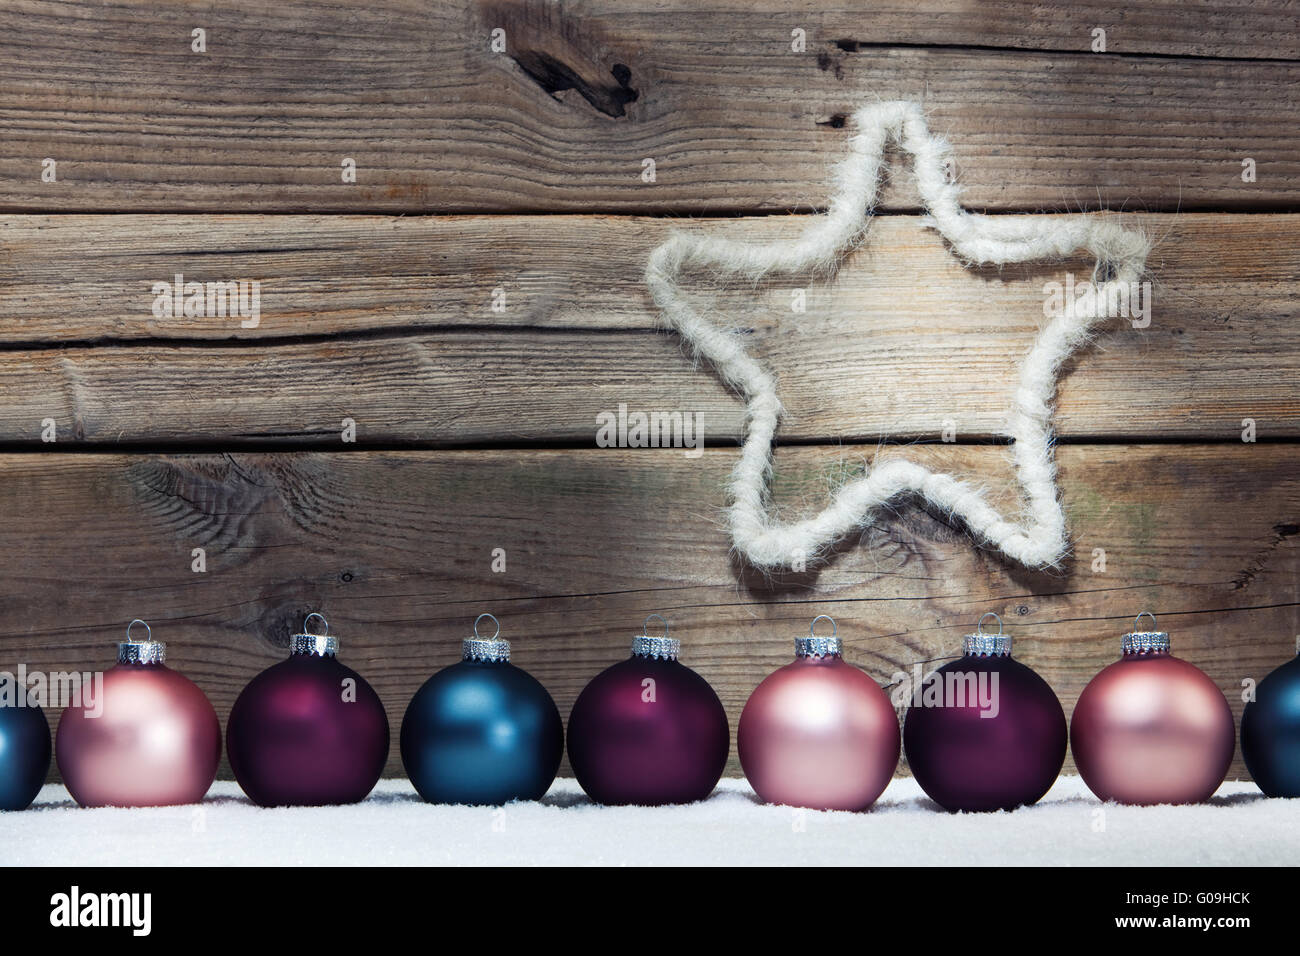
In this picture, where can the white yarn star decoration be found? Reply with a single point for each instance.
(1040, 540)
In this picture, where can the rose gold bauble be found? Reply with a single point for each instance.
(156, 743)
(1152, 728)
(819, 732)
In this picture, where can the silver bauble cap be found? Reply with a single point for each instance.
(662, 647)
(1145, 642)
(819, 646)
(491, 649)
(319, 644)
(981, 644)
(137, 651)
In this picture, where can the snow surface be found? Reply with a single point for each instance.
(393, 826)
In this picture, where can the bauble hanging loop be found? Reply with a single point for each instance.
(308, 642)
(495, 623)
(480, 648)
(982, 644)
(819, 646)
(659, 646)
(1139, 641)
(141, 651)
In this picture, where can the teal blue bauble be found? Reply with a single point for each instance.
(1270, 732)
(24, 746)
(482, 731)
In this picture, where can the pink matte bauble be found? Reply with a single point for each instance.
(819, 733)
(1152, 728)
(156, 743)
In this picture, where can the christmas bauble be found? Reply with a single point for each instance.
(482, 731)
(1152, 728)
(818, 732)
(308, 731)
(984, 732)
(24, 747)
(151, 739)
(649, 730)
(1270, 732)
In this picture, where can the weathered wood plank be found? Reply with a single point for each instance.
(1244, 29)
(563, 119)
(396, 548)
(389, 321)
(75, 279)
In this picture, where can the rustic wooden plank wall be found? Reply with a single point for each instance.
(518, 174)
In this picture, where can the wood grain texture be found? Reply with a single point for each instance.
(388, 321)
(396, 549)
(74, 279)
(563, 119)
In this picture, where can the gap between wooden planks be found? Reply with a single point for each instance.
(389, 321)
(582, 94)
(396, 548)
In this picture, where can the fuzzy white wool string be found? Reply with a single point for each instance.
(1039, 540)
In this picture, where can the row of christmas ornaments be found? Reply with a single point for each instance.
(984, 732)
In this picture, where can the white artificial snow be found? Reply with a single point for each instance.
(393, 826)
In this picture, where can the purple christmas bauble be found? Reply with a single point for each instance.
(984, 732)
(308, 731)
(649, 730)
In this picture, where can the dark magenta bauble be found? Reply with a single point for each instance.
(482, 732)
(1152, 728)
(308, 731)
(151, 740)
(648, 732)
(1270, 732)
(818, 733)
(986, 734)
(24, 751)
